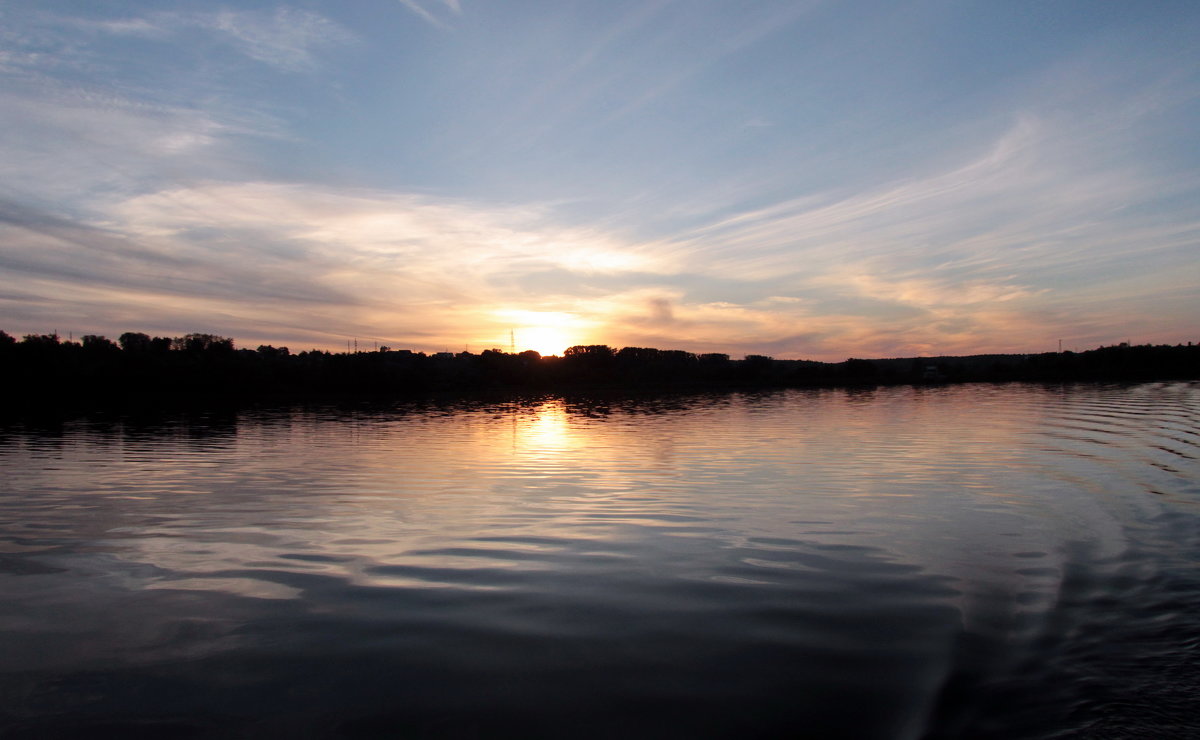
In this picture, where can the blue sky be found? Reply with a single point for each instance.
(801, 179)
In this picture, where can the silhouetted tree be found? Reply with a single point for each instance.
(99, 345)
(588, 363)
(42, 341)
(601, 352)
(636, 354)
(201, 367)
(134, 341)
(202, 343)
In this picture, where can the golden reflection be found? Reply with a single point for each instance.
(479, 497)
(546, 429)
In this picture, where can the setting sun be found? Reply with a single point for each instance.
(544, 340)
(545, 332)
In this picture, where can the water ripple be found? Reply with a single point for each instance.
(960, 561)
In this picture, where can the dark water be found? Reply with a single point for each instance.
(954, 562)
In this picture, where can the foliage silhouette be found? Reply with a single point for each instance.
(44, 372)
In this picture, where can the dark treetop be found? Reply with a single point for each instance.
(42, 371)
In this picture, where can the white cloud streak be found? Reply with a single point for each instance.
(357, 260)
(428, 15)
(897, 271)
(122, 207)
(288, 39)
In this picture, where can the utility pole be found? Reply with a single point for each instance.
(512, 342)
(1060, 346)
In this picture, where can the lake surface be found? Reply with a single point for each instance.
(1010, 561)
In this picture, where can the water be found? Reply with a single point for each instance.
(967, 561)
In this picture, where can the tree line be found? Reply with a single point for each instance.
(43, 370)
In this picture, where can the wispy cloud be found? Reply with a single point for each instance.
(897, 271)
(1041, 217)
(189, 165)
(1027, 202)
(287, 39)
(421, 267)
(428, 15)
(63, 144)
(755, 27)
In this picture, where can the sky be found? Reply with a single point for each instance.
(815, 180)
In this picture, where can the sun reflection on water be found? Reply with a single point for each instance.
(544, 429)
(837, 528)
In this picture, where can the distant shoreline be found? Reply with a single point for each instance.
(46, 374)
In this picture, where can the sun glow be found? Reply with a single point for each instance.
(545, 332)
(545, 340)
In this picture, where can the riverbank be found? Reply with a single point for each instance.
(45, 374)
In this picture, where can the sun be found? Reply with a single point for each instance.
(545, 340)
(545, 332)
